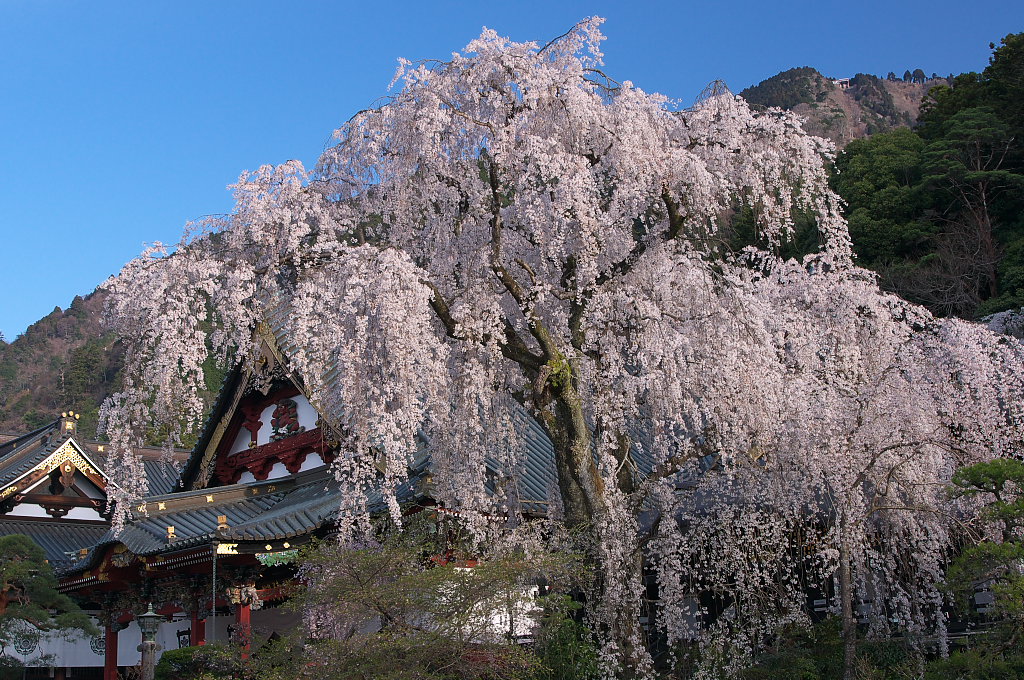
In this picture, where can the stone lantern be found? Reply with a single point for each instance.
(149, 623)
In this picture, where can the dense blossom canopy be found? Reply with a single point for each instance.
(513, 228)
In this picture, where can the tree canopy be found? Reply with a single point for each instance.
(29, 602)
(937, 211)
(513, 229)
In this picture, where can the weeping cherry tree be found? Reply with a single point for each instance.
(512, 228)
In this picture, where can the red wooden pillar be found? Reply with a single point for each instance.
(198, 630)
(243, 619)
(110, 654)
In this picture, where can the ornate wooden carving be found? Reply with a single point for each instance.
(291, 451)
(285, 420)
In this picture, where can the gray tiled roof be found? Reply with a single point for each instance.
(61, 541)
(20, 455)
(162, 476)
(263, 511)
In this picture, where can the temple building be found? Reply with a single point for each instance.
(210, 548)
(53, 489)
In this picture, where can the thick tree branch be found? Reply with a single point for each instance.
(512, 346)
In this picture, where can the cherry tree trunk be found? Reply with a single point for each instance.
(849, 621)
(592, 507)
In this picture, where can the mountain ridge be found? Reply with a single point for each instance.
(844, 109)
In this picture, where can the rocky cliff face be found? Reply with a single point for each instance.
(842, 109)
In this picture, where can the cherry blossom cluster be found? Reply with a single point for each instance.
(514, 230)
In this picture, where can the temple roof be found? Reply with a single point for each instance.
(21, 454)
(255, 512)
(61, 541)
(26, 459)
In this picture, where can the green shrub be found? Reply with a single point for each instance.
(209, 662)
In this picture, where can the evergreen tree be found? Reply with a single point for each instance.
(30, 605)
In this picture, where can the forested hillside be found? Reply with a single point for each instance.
(66, 361)
(845, 110)
(938, 211)
(63, 361)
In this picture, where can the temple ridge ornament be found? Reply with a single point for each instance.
(67, 453)
(285, 420)
(265, 373)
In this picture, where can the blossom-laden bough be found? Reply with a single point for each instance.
(513, 228)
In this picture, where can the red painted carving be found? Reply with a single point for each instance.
(258, 460)
(285, 420)
(252, 420)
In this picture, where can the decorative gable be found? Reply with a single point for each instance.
(262, 428)
(64, 482)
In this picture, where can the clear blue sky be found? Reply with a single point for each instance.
(120, 121)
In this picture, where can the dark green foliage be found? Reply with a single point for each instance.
(11, 668)
(415, 606)
(564, 646)
(787, 89)
(816, 653)
(209, 662)
(878, 178)
(992, 561)
(977, 664)
(939, 213)
(742, 230)
(29, 602)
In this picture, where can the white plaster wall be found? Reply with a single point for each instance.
(129, 639)
(313, 460)
(83, 513)
(27, 510)
(263, 436)
(75, 651)
(241, 441)
(279, 470)
(307, 414)
(220, 625)
(72, 648)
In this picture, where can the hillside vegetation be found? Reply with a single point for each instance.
(64, 361)
(938, 211)
(866, 106)
(67, 361)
